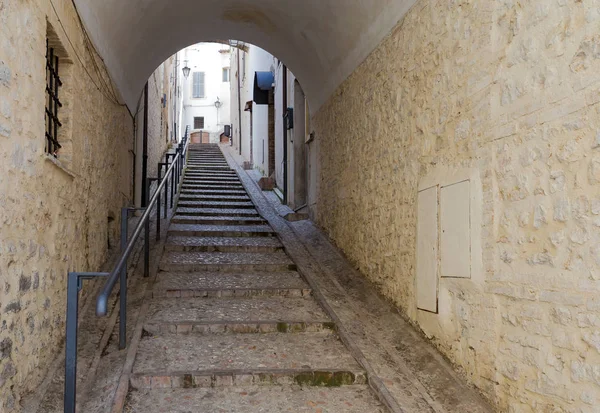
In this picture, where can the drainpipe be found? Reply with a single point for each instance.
(145, 150)
(239, 99)
(285, 143)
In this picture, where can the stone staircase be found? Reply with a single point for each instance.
(231, 326)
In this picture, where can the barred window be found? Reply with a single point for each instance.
(198, 86)
(53, 85)
(199, 122)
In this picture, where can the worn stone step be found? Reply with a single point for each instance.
(222, 244)
(307, 358)
(212, 177)
(202, 168)
(256, 398)
(246, 312)
(221, 230)
(217, 220)
(201, 197)
(215, 204)
(233, 212)
(198, 180)
(194, 180)
(213, 186)
(226, 262)
(249, 284)
(185, 189)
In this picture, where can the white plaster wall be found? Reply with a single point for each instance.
(207, 58)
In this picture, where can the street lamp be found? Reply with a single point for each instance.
(186, 70)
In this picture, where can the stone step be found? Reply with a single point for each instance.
(217, 220)
(245, 313)
(233, 212)
(186, 196)
(192, 174)
(226, 262)
(215, 204)
(221, 230)
(256, 398)
(250, 284)
(211, 177)
(199, 180)
(221, 360)
(186, 189)
(222, 244)
(208, 168)
(190, 182)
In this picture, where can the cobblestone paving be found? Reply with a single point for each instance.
(228, 311)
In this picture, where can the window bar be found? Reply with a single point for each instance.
(52, 85)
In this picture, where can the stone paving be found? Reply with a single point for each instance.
(230, 325)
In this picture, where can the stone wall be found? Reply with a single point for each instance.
(55, 216)
(510, 93)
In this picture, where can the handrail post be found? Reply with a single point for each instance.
(172, 181)
(158, 206)
(123, 286)
(147, 237)
(71, 342)
(167, 187)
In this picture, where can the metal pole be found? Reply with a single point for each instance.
(71, 342)
(172, 184)
(123, 287)
(158, 205)
(147, 237)
(167, 187)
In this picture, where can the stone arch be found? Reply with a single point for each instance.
(321, 42)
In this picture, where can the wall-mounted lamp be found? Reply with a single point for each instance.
(218, 103)
(186, 70)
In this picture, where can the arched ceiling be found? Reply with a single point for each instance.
(321, 41)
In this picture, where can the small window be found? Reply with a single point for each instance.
(199, 122)
(198, 91)
(53, 86)
(226, 74)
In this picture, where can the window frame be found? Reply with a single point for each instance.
(203, 122)
(203, 94)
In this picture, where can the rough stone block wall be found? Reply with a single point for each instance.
(53, 218)
(511, 90)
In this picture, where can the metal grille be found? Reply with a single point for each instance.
(53, 84)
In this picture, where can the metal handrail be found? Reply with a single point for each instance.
(102, 300)
(119, 272)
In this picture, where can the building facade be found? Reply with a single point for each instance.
(205, 92)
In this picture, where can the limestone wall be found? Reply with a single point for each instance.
(507, 94)
(53, 218)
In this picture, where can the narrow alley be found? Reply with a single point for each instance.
(315, 206)
(230, 325)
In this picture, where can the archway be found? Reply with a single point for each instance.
(321, 42)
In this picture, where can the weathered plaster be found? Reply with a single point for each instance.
(510, 90)
(54, 217)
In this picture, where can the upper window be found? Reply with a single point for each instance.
(199, 122)
(53, 86)
(225, 74)
(198, 86)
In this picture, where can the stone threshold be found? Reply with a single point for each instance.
(230, 378)
(237, 293)
(238, 327)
